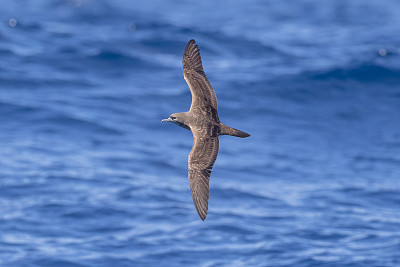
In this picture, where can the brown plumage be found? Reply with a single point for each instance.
(202, 119)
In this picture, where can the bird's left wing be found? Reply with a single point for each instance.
(201, 160)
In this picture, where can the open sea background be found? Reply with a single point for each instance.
(90, 177)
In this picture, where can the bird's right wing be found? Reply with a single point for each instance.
(201, 160)
(202, 92)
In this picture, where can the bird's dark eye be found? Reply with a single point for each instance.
(173, 118)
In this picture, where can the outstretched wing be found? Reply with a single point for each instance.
(202, 92)
(201, 160)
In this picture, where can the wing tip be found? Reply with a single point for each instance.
(200, 205)
(201, 211)
(202, 215)
(192, 42)
(191, 57)
(246, 135)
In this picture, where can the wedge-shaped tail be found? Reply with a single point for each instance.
(226, 130)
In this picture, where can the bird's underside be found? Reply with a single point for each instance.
(202, 119)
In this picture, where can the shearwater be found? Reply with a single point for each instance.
(202, 119)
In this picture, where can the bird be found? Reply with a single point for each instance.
(203, 121)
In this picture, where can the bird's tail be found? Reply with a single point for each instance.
(226, 130)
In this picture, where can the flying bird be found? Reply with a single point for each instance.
(202, 119)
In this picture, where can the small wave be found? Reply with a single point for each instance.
(29, 26)
(29, 82)
(65, 121)
(5, 52)
(363, 73)
(21, 112)
(233, 228)
(45, 117)
(230, 193)
(58, 262)
(116, 57)
(20, 51)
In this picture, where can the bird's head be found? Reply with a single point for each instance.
(174, 118)
(178, 119)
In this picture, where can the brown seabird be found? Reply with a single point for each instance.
(202, 119)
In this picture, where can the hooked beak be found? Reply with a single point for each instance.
(166, 120)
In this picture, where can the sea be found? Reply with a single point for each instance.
(89, 176)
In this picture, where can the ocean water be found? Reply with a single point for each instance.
(90, 177)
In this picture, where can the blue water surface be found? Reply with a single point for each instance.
(90, 177)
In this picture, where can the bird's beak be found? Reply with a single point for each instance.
(166, 120)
